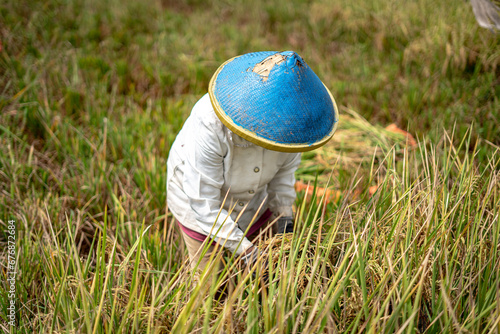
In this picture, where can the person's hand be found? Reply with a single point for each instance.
(285, 225)
(250, 257)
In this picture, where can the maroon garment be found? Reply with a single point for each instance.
(254, 228)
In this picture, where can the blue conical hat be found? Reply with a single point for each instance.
(274, 100)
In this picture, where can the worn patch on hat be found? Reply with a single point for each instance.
(264, 67)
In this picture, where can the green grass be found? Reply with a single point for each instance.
(93, 94)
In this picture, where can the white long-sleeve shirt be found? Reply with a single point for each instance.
(207, 162)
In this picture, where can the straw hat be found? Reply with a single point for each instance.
(274, 99)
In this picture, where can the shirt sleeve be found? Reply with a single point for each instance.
(203, 181)
(281, 189)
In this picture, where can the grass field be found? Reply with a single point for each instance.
(93, 93)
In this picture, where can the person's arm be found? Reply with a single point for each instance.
(282, 192)
(203, 181)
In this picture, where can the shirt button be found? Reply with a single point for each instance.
(256, 169)
(241, 203)
(251, 191)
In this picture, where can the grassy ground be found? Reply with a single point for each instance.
(93, 93)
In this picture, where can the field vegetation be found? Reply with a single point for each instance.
(406, 239)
